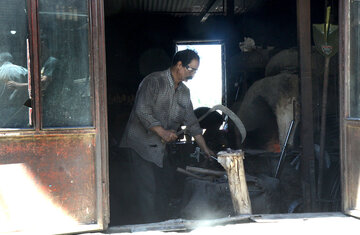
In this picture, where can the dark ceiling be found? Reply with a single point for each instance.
(181, 7)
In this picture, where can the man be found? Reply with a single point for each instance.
(13, 93)
(162, 105)
(51, 86)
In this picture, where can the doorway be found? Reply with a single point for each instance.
(150, 33)
(207, 88)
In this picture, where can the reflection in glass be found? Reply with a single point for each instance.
(64, 60)
(355, 60)
(13, 66)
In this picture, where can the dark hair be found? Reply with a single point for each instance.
(185, 56)
(5, 57)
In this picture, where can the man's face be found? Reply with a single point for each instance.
(189, 70)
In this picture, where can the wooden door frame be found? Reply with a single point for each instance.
(101, 119)
(343, 74)
(99, 130)
(348, 194)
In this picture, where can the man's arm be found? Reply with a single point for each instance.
(15, 85)
(146, 99)
(193, 126)
(202, 144)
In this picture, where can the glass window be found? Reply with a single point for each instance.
(64, 60)
(355, 59)
(13, 65)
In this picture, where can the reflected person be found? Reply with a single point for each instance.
(13, 93)
(51, 86)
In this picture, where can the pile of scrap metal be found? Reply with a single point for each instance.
(207, 196)
(273, 187)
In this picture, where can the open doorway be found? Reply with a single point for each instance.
(150, 37)
(208, 87)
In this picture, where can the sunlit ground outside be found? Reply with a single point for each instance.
(357, 196)
(278, 224)
(324, 224)
(25, 207)
(206, 86)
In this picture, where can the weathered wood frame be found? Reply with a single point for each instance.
(86, 146)
(307, 137)
(349, 127)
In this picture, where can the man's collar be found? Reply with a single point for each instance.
(171, 80)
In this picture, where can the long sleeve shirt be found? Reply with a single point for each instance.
(157, 103)
(15, 73)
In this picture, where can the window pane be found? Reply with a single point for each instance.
(13, 66)
(64, 59)
(355, 59)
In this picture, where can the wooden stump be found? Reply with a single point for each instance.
(232, 161)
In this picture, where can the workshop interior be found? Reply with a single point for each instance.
(249, 64)
(275, 87)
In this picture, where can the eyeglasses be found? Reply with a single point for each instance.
(190, 69)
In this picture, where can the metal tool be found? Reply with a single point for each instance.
(202, 153)
(282, 155)
(228, 112)
(214, 158)
(196, 154)
(327, 43)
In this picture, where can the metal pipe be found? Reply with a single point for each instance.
(283, 149)
(286, 140)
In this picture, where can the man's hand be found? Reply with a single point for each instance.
(166, 135)
(169, 136)
(201, 142)
(11, 84)
(208, 152)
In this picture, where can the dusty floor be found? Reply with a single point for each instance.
(304, 224)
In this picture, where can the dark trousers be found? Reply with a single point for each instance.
(151, 185)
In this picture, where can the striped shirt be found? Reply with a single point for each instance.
(157, 103)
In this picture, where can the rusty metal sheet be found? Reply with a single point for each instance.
(47, 179)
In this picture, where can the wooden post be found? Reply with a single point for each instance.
(307, 125)
(232, 161)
